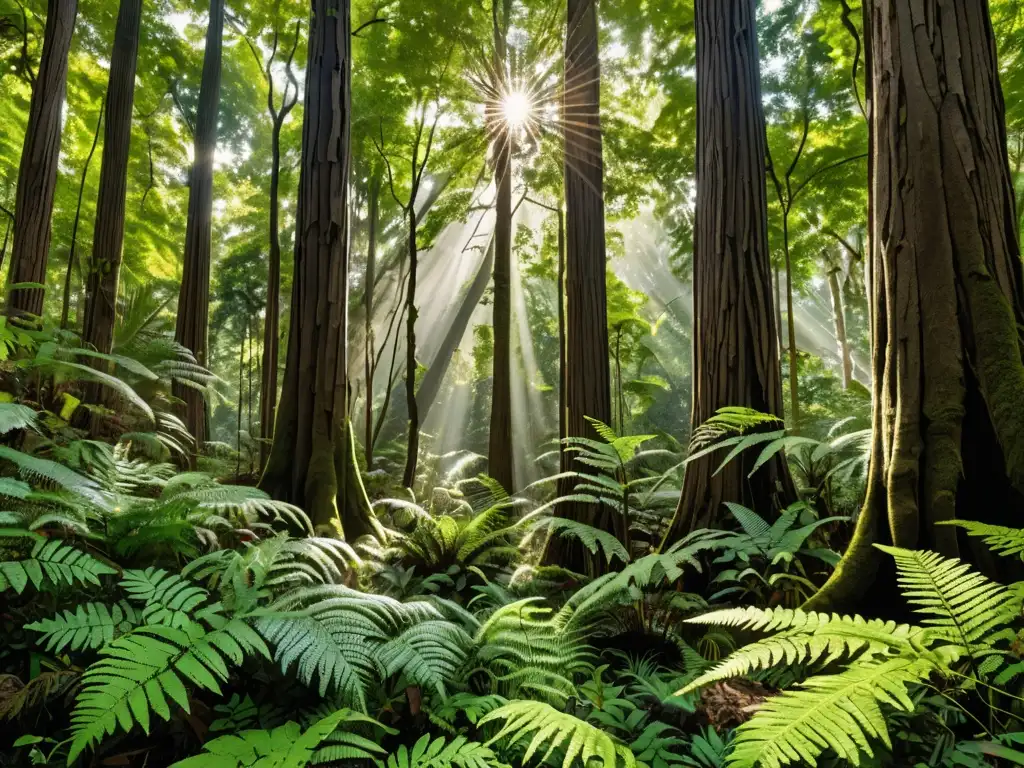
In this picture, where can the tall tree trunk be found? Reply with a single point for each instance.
(839, 321)
(369, 343)
(560, 277)
(312, 462)
(65, 307)
(413, 441)
(736, 350)
(426, 395)
(500, 464)
(272, 319)
(587, 385)
(108, 234)
(37, 174)
(194, 296)
(945, 289)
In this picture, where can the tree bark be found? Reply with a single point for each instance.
(369, 351)
(65, 307)
(587, 385)
(312, 462)
(37, 173)
(272, 319)
(426, 395)
(839, 320)
(194, 296)
(108, 232)
(945, 289)
(413, 441)
(736, 349)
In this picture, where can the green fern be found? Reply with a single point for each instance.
(592, 538)
(804, 638)
(169, 599)
(837, 712)
(16, 416)
(1003, 541)
(90, 626)
(286, 746)
(51, 562)
(427, 654)
(553, 729)
(45, 474)
(149, 668)
(435, 753)
(951, 597)
(471, 705)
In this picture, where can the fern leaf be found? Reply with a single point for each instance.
(952, 597)
(427, 653)
(16, 416)
(91, 626)
(1003, 541)
(837, 712)
(149, 668)
(51, 561)
(554, 729)
(803, 638)
(592, 538)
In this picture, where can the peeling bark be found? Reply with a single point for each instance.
(37, 174)
(312, 462)
(945, 284)
(736, 348)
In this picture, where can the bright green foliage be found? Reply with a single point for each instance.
(169, 599)
(286, 746)
(437, 753)
(1002, 540)
(553, 730)
(838, 712)
(90, 626)
(50, 563)
(960, 603)
(149, 668)
(428, 653)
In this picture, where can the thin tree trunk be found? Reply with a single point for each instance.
(587, 385)
(37, 174)
(108, 234)
(368, 338)
(194, 296)
(3, 248)
(945, 290)
(238, 426)
(794, 379)
(426, 395)
(562, 423)
(499, 454)
(736, 360)
(839, 320)
(272, 318)
(312, 462)
(413, 442)
(72, 252)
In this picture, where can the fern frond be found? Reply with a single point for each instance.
(427, 653)
(149, 669)
(51, 561)
(592, 538)
(169, 599)
(41, 689)
(16, 416)
(804, 638)
(91, 626)
(837, 712)
(286, 745)
(554, 729)
(1001, 540)
(435, 753)
(953, 598)
(49, 474)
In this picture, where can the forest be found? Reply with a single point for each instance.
(493, 383)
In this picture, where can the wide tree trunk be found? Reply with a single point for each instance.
(108, 233)
(945, 286)
(587, 384)
(312, 463)
(194, 296)
(37, 174)
(735, 350)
